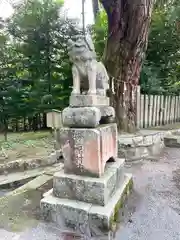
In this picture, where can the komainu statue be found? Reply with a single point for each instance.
(89, 76)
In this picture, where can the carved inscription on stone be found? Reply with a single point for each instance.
(89, 149)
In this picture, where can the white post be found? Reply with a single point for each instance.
(138, 107)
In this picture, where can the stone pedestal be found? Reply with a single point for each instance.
(86, 151)
(88, 189)
(85, 203)
(92, 186)
(88, 101)
(88, 111)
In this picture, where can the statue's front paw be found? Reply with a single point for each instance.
(92, 92)
(75, 92)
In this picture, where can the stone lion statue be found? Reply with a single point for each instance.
(89, 75)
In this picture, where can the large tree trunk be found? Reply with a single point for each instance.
(128, 25)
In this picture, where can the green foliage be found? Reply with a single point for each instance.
(35, 73)
(99, 30)
(162, 57)
(161, 68)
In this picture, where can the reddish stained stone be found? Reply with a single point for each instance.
(89, 150)
(108, 147)
(92, 161)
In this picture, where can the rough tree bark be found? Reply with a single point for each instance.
(128, 26)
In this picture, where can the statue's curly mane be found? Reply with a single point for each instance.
(81, 47)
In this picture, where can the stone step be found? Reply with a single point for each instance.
(84, 216)
(172, 141)
(21, 165)
(34, 184)
(89, 189)
(29, 174)
(137, 147)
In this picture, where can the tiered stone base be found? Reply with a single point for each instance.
(84, 203)
(88, 111)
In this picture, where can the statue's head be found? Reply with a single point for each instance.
(81, 46)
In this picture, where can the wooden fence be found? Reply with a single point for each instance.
(154, 110)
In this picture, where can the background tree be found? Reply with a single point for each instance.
(8, 88)
(160, 69)
(160, 74)
(35, 70)
(128, 26)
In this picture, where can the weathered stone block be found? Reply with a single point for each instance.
(64, 212)
(81, 117)
(88, 100)
(105, 217)
(148, 140)
(155, 149)
(172, 141)
(137, 140)
(107, 114)
(86, 151)
(84, 216)
(75, 115)
(136, 148)
(156, 138)
(119, 166)
(91, 190)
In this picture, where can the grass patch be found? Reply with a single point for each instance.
(26, 136)
(26, 145)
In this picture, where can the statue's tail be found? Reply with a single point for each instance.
(105, 74)
(105, 71)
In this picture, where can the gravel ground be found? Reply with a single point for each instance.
(154, 209)
(152, 212)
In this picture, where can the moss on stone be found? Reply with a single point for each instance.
(114, 219)
(131, 184)
(118, 206)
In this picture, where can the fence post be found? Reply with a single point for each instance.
(150, 110)
(161, 110)
(138, 107)
(167, 107)
(154, 109)
(146, 109)
(176, 109)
